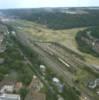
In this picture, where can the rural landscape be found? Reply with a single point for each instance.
(49, 53)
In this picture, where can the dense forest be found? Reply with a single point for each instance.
(56, 18)
(84, 46)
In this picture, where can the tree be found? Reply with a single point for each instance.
(23, 92)
(1, 76)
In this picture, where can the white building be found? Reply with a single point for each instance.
(56, 80)
(42, 67)
(9, 97)
(7, 88)
(59, 85)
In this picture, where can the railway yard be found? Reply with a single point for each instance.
(71, 71)
(66, 64)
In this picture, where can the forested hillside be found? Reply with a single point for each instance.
(88, 41)
(56, 18)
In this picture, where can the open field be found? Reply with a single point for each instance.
(65, 37)
(42, 33)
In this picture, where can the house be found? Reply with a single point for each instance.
(9, 97)
(36, 84)
(35, 87)
(58, 84)
(43, 68)
(56, 80)
(6, 82)
(93, 84)
(7, 89)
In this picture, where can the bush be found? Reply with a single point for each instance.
(23, 92)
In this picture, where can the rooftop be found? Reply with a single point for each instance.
(9, 97)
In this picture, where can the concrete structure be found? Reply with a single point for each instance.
(6, 92)
(7, 89)
(9, 97)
